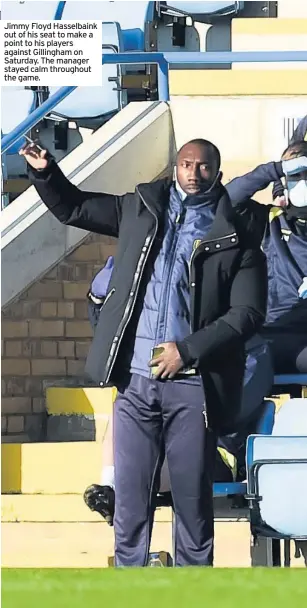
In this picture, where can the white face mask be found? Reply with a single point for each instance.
(297, 192)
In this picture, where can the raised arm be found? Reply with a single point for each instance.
(243, 188)
(92, 211)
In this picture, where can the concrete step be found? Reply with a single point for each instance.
(78, 413)
(59, 508)
(37, 545)
(89, 545)
(50, 468)
(55, 508)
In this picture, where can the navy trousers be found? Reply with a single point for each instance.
(149, 416)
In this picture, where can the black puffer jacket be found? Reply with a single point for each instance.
(228, 282)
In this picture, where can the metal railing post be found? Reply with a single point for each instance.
(163, 81)
(4, 197)
(59, 11)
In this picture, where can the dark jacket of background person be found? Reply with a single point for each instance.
(277, 228)
(285, 246)
(228, 283)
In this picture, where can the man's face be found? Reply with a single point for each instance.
(197, 168)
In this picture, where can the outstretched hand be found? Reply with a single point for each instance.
(34, 156)
(169, 363)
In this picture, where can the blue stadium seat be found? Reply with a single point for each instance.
(291, 418)
(132, 18)
(133, 39)
(277, 493)
(95, 102)
(208, 8)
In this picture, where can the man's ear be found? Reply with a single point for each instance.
(220, 176)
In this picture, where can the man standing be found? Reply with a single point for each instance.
(189, 280)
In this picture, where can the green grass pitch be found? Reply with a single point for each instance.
(158, 588)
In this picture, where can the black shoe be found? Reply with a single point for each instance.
(101, 499)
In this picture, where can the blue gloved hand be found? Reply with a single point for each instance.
(302, 291)
(100, 283)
